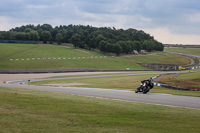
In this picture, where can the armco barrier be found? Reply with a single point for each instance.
(19, 41)
(158, 84)
(12, 71)
(60, 70)
(194, 67)
(174, 88)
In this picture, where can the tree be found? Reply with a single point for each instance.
(20, 36)
(28, 30)
(99, 38)
(40, 31)
(148, 45)
(34, 35)
(46, 36)
(117, 49)
(138, 45)
(46, 27)
(160, 46)
(125, 46)
(102, 45)
(109, 47)
(75, 39)
(59, 38)
(86, 37)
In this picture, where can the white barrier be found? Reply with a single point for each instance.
(64, 58)
(157, 84)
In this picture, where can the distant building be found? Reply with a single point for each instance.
(143, 52)
(135, 52)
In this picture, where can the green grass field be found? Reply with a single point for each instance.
(108, 63)
(159, 58)
(119, 83)
(21, 51)
(29, 51)
(30, 111)
(193, 51)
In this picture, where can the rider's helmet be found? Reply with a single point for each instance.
(150, 79)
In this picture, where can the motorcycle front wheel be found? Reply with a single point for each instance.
(146, 90)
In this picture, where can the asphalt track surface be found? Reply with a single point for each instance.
(150, 98)
(182, 54)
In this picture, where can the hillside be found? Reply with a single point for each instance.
(40, 56)
(37, 56)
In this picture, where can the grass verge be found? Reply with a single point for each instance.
(184, 80)
(30, 111)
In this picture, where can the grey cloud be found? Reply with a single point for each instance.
(173, 14)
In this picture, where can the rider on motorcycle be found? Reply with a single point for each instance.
(145, 86)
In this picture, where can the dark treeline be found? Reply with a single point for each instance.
(105, 39)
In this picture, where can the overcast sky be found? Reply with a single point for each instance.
(169, 21)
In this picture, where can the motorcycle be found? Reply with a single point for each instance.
(144, 87)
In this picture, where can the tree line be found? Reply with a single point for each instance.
(106, 39)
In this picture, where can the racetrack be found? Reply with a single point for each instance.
(151, 98)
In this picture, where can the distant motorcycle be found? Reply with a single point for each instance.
(145, 86)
